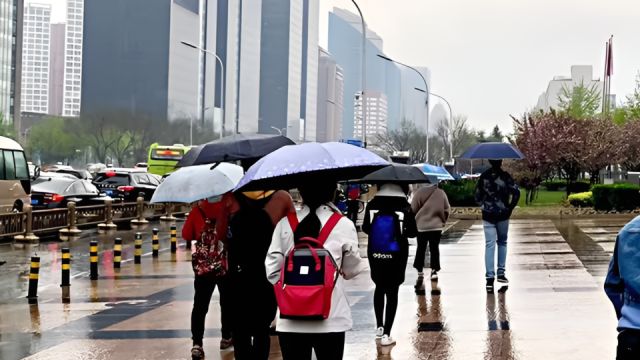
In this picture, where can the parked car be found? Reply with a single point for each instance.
(55, 191)
(80, 174)
(141, 165)
(126, 184)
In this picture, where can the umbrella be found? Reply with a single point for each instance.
(435, 171)
(194, 183)
(234, 147)
(396, 173)
(290, 166)
(493, 150)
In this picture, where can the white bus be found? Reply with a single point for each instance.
(15, 184)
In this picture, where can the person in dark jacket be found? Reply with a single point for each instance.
(252, 297)
(388, 266)
(498, 195)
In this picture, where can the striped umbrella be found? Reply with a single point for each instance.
(437, 171)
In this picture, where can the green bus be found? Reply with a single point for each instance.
(163, 158)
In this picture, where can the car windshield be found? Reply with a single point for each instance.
(117, 179)
(143, 179)
(54, 186)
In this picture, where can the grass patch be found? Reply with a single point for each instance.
(544, 198)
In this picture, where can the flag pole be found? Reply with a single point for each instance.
(610, 72)
(604, 79)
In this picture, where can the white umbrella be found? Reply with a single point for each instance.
(193, 183)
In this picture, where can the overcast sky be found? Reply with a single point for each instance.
(492, 58)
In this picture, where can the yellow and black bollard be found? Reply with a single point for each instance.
(117, 253)
(155, 244)
(93, 257)
(174, 238)
(34, 272)
(66, 270)
(137, 255)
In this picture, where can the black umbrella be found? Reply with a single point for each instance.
(234, 147)
(397, 174)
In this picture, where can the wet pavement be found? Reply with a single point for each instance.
(554, 307)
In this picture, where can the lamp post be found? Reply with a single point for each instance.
(364, 75)
(426, 103)
(450, 122)
(222, 87)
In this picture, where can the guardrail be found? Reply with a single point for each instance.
(23, 226)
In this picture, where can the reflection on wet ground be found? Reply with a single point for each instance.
(554, 307)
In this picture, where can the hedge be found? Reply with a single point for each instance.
(554, 185)
(461, 192)
(616, 196)
(576, 187)
(584, 199)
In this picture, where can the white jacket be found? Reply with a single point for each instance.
(343, 245)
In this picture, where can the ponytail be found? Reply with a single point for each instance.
(314, 196)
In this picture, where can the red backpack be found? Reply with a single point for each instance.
(308, 276)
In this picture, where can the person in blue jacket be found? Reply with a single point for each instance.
(622, 286)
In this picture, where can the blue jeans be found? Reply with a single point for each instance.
(495, 233)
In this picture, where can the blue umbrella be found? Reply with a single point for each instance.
(435, 171)
(293, 165)
(493, 150)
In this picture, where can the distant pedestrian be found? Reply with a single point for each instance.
(622, 285)
(202, 215)
(431, 208)
(498, 195)
(326, 337)
(251, 295)
(353, 202)
(388, 222)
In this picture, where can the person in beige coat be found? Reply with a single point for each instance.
(431, 208)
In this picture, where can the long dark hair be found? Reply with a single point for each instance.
(314, 195)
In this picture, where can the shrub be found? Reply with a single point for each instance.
(616, 196)
(579, 187)
(554, 185)
(584, 199)
(575, 187)
(460, 193)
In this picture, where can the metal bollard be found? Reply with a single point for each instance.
(93, 257)
(174, 238)
(137, 255)
(117, 253)
(66, 270)
(155, 244)
(34, 272)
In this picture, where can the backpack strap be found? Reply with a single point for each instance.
(328, 227)
(292, 217)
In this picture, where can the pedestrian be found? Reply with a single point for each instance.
(215, 213)
(431, 208)
(498, 195)
(326, 337)
(353, 202)
(249, 236)
(622, 286)
(388, 222)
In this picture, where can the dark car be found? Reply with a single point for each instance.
(126, 184)
(56, 191)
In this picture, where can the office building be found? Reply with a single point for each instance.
(138, 64)
(35, 53)
(330, 97)
(580, 75)
(56, 68)
(73, 58)
(376, 116)
(11, 21)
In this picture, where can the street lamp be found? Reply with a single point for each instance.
(222, 88)
(450, 121)
(364, 75)
(426, 103)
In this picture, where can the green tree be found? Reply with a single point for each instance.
(53, 140)
(579, 102)
(496, 134)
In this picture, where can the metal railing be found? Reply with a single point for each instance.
(11, 224)
(50, 220)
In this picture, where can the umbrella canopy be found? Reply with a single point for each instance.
(434, 171)
(293, 165)
(492, 150)
(194, 183)
(234, 147)
(397, 174)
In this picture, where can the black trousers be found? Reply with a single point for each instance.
(204, 287)
(628, 345)
(251, 344)
(431, 238)
(391, 295)
(297, 346)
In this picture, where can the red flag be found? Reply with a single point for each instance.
(610, 57)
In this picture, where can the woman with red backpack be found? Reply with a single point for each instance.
(389, 223)
(321, 230)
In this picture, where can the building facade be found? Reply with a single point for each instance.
(35, 55)
(580, 75)
(376, 116)
(73, 58)
(56, 68)
(330, 97)
(11, 20)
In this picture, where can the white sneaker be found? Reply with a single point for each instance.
(379, 332)
(434, 275)
(387, 340)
